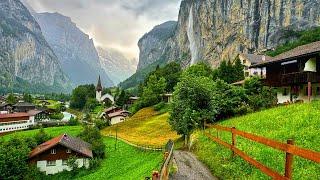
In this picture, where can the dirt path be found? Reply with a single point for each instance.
(190, 168)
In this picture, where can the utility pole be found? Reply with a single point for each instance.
(115, 147)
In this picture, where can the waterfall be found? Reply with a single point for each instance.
(192, 39)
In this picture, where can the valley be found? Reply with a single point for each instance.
(159, 89)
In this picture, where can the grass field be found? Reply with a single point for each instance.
(146, 127)
(300, 122)
(53, 131)
(126, 162)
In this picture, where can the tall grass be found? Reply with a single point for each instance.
(300, 122)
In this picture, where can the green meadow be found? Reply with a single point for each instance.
(300, 122)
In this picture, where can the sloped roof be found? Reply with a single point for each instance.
(254, 58)
(118, 113)
(13, 115)
(24, 104)
(294, 53)
(111, 108)
(34, 112)
(72, 143)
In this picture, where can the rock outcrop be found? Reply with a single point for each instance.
(75, 50)
(117, 66)
(214, 30)
(24, 52)
(153, 44)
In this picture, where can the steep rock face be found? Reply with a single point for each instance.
(153, 44)
(213, 30)
(24, 53)
(75, 50)
(117, 66)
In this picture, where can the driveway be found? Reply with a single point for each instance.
(190, 168)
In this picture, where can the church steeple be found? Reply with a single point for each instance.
(99, 86)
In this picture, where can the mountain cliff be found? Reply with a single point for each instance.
(25, 56)
(75, 50)
(213, 30)
(153, 44)
(117, 66)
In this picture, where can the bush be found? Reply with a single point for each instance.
(159, 106)
(93, 136)
(94, 163)
(57, 116)
(100, 124)
(73, 121)
(259, 96)
(41, 136)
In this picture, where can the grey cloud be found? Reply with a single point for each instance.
(114, 24)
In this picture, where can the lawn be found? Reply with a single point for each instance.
(146, 127)
(300, 122)
(53, 131)
(126, 162)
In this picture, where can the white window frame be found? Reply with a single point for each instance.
(68, 151)
(51, 163)
(53, 151)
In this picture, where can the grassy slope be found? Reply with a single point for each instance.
(146, 127)
(126, 162)
(300, 121)
(53, 131)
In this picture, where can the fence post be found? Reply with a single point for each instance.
(233, 140)
(289, 161)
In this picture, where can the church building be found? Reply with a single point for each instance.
(102, 97)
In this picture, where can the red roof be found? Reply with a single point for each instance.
(13, 115)
(72, 143)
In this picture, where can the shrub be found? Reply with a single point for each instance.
(100, 124)
(94, 163)
(73, 121)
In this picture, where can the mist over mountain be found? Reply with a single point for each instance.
(75, 50)
(25, 56)
(116, 65)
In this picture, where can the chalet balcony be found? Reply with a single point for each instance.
(300, 78)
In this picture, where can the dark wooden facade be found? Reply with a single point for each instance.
(279, 74)
(61, 154)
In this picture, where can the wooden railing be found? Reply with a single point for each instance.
(165, 168)
(289, 148)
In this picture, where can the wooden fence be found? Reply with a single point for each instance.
(141, 147)
(289, 148)
(165, 167)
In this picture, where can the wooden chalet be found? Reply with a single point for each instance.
(294, 73)
(51, 157)
(39, 115)
(23, 107)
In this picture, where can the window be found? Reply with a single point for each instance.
(244, 61)
(53, 151)
(64, 162)
(51, 163)
(68, 151)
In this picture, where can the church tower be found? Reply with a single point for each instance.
(99, 90)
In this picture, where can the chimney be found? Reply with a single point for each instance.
(263, 58)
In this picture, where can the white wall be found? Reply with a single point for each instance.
(17, 125)
(59, 167)
(117, 119)
(301, 95)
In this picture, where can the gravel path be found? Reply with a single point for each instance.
(190, 168)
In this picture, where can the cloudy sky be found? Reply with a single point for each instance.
(114, 24)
